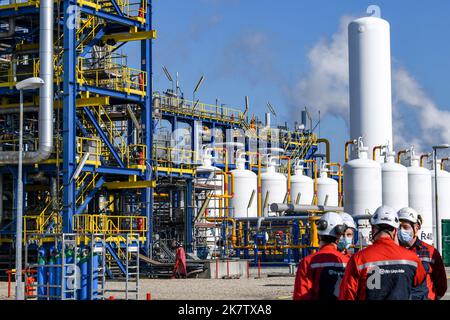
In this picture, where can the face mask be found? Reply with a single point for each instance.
(404, 237)
(345, 243)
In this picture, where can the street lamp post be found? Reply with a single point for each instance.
(30, 83)
(436, 198)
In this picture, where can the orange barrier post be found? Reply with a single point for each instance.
(259, 266)
(9, 282)
(217, 269)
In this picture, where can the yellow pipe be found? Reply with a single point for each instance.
(399, 154)
(374, 154)
(222, 219)
(442, 162)
(425, 155)
(225, 196)
(259, 182)
(316, 200)
(346, 149)
(327, 147)
(339, 173)
(288, 175)
(314, 234)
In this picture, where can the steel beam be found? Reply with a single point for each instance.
(91, 195)
(69, 118)
(147, 125)
(103, 136)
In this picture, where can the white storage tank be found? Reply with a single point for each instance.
(370, 81)
(362, 183)
(245, 182)
(275, 184)
(420, 196)
(394, 177)
(301, 185)
(327, 187)
(207, 174)
(443, 185)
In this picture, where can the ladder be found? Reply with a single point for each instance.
(98, 249)
(132, 266)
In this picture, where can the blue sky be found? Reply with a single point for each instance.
(260, 48)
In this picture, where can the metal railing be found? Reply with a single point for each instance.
(134, 9)
(17, 70)
(199, 109)
(167, 156)
(109, 225)
(111, 73)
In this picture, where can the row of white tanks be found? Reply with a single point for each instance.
(274, 188)
(244, 202)
(369, 184)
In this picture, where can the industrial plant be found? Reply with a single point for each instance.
(102, 178)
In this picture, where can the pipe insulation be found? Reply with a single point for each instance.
(45, 95)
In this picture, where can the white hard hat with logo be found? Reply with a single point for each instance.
(348, 220)
(408, 214)
(330, 224)
(385, 215)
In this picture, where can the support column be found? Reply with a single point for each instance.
(146, 65)
(69, 115)
(188, 216)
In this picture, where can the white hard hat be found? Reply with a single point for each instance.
(348, 220)
(408, 214)
(385, 215)
(330, 224)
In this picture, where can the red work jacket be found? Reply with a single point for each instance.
(319, 275)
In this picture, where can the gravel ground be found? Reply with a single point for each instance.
(263, 288)
(267, 287)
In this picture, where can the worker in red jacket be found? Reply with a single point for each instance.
(435, 284)
(179, 270)
(347, 240)
(318, 275)
(384, 270)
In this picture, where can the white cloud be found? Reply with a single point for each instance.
(325, 86)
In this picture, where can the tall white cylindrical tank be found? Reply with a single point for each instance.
(273, 184)
(207, 174)
(420, 196)
(301, 186)
(370, 81)
(327, 189)
(394, 179)
(443, 186)
(362, 184)
(245, 182)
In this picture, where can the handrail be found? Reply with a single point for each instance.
(175, 104)
(108, 224)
